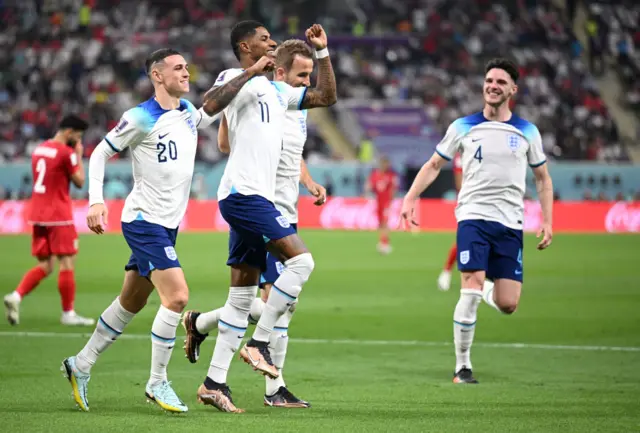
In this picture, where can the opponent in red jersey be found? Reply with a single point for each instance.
(444, 279)
(54, 164)
(383, 182)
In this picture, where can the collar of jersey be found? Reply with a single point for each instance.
(156, 110)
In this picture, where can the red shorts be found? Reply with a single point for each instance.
(54, 241)
(383, 212)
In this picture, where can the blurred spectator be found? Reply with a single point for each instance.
(87, 57)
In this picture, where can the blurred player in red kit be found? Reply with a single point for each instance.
(54, 164)
(444, 280)
(383, 182)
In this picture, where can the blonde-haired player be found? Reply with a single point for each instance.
(293, 65)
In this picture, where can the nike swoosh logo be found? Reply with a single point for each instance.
(162, 136)
(261, 95)
(473, 140)
(518, 272)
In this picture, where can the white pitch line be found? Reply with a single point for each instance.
(417, 343)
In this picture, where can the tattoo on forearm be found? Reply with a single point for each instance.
(217, 98)
(325, 93)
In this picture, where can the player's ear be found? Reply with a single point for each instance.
(244, 47)
(280, 73)
(514, 88)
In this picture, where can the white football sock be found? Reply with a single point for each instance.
(464, 326)
(109, 327)
(231, 328)
(278, 343)
(257, 307)
(284, 293)
(487, 294)
(15, 296)
(207, 322)
(163, 338)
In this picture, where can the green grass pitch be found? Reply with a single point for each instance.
(371, 343)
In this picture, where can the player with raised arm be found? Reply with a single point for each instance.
(444, 279)
(54, 164)
(294, 65)
(496, 145)
(161, 134)
(383, 182)
(256, 119)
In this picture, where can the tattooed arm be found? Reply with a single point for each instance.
(218, 97)
(325, 93)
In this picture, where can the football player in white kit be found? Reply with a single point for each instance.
(294, 65)
(162, 137)
(256, 121)
(496, 145)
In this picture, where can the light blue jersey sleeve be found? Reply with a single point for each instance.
(134, 125)
(535, 153)
(292, 95)
(450, 144)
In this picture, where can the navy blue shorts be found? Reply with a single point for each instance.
(253, 221)
(274, 266)
(152, 247)
(491, 247)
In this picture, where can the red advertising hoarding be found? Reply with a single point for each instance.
(359, 214)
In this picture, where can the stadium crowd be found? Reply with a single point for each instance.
(86, 56)
(614, 34)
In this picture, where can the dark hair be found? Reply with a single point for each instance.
(74, 122)
(288, 50)
(240, 32)
(158, 56)
(506, 65)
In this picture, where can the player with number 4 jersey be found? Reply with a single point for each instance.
(55, 163)
(162, 136)
(495, 146)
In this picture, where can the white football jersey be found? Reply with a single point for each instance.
(256, 118)
(288, 173)
(295, 135)
(163, 149)
(494, 166)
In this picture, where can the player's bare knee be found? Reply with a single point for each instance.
(177, 303)
(46, 265)
(66, 263)
(508, 307)
(472, 280)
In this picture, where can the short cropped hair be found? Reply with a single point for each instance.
(157, 57)
(74, 122)
(506, 65)
(242, 31)
(288, 50)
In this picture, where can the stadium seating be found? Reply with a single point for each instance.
(418, 63)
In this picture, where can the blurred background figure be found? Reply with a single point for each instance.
(405, 70)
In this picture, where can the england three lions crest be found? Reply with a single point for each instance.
(192, 125)
(514, 142)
